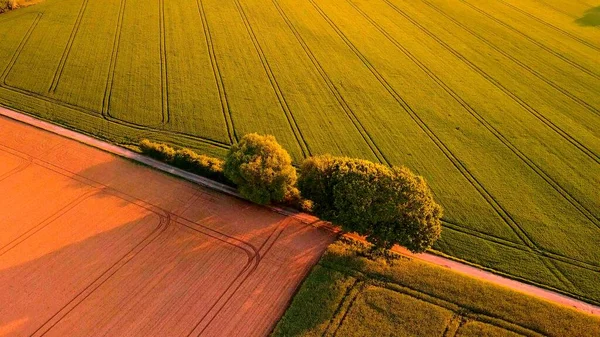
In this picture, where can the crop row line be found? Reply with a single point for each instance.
(547, 24)
(348, 298)
(423, 126)
(522, 247)
(508, 219)
(333, 89)
(105, 116)
(273, 80)
(465, 172)
(113, 61)
(534, 41)
(63, 60)
(462, 312)
(515, 60)
(497, 84)
(473, 112)
(384, 282)
(164, 79)
(544, 3)
(20, 48)
(225, 108)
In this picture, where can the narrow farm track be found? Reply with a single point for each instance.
(518, 62)
(343, 104)
(502, 120)
(509, 220)
(582, 147)
(65, 56)
(254, 253)
(156, 243)
(533, 40)
(561, 31)
(485, 123)
(217, 74)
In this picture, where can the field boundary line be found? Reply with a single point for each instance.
(539, 290)
(517, 61)
(532, 40)
(333, 88)
(497, 84)
(217, 74)
(547, 24)
(67, 51)
(473, 112)
(164, 77)
(274, 84)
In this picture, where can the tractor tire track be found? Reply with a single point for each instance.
(63, 60)
(113, 62)
(534, 41)
(104, 113)
(19, 49)
(497, 84)
(547, 24)
(423, 126)
(498, 208)
(519, 63)
(47, 221)
(235, 285)
(274, 84)
(233, 138)
(164, 223)
(164, 77)
(473, 112)
(333, 89)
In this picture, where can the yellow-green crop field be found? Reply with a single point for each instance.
(495, 102)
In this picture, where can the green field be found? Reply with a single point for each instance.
(361, 297)
(496, 103)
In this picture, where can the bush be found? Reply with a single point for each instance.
(261, 169)
(185, 159)
(387, 205)
(158, 151)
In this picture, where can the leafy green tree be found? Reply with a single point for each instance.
(261, 169)
(387, 205)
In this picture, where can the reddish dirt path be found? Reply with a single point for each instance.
(93, 244)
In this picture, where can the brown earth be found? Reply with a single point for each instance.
(92, 244)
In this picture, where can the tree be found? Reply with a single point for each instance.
(387, 205)
(261, 169)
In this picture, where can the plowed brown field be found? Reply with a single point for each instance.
(92, 244)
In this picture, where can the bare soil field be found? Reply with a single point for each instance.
(92, 244)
